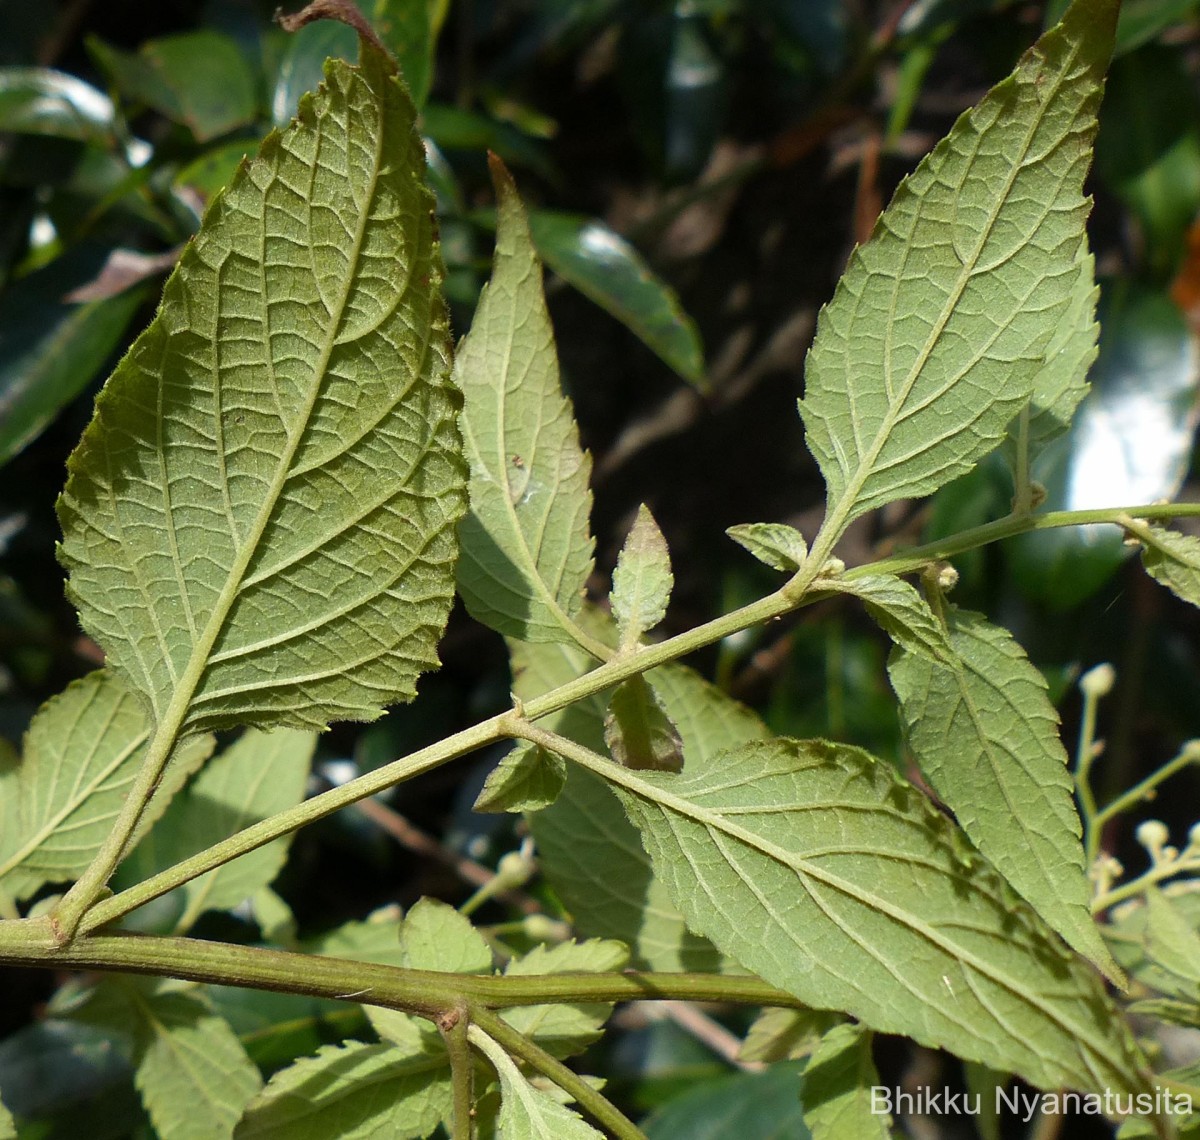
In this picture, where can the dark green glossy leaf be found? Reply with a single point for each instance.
(1148, 148)
(199, 79)
(453, 128)
(40, 101)
(605, 267)
(410, 29)
(52, 348)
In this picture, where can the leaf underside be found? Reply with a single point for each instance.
(816, 867)
(526, 545)
(259, 523)
(940, 326)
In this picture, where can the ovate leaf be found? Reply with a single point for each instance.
(816, 867)
(82, 751)
(259, 523)
(527, 1113)
(642, 580)
(941, 324)
(527, 549)
(1172, 559)
(354, 1092)
(838, 1083)
(527, 779)
(259, 775)
(986, 737)
(900, 612)
(638, 731)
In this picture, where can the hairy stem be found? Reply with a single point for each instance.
(792, 596)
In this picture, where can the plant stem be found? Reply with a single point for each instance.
(29, 942)
(792, 596)
(588, 1098)
(462, 1071)
(1190, 754)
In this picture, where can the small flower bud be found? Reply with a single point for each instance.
(1098, 682)
(1152, 834)
(543, 928)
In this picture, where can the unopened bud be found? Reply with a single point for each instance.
(1098, 682)
(1152, 835)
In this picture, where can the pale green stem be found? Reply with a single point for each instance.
(791, 596)
(1084, 755)
(602, 1110)
(1159, 873)
(30, 942)
(1145, 790)
(462, 1071)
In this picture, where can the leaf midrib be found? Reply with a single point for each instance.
(715, 821)
(198, 660)
(866, 463)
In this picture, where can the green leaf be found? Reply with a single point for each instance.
(41, 101)
(780, 546)
(838, 1102)
(786, 1034)
(259, 522)
(563, 1030)
(526, 547)
(748, 1106)
(900, 612)
(1061, 383)
(1172, 944)
(986, 737)
(941, 324)
(527, 1113)
(642, 580)
(354, 1092)
(527, 779)
(1172, 559)
(410, 29)
(588, 849)
(638, 732)
(302, 65)
(433, 936)
(816, 867)
(8, 1126)
(604, 267)
(82, 751)
(54, 347)
(261, 774)
(192, 1073)
(199, 79)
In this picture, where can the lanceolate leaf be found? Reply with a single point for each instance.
(527, 549)
(527, 779)
(819, 869)
(81, 753)
(259, 523)
(986, 737)
(642, 580)
(940, 326)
